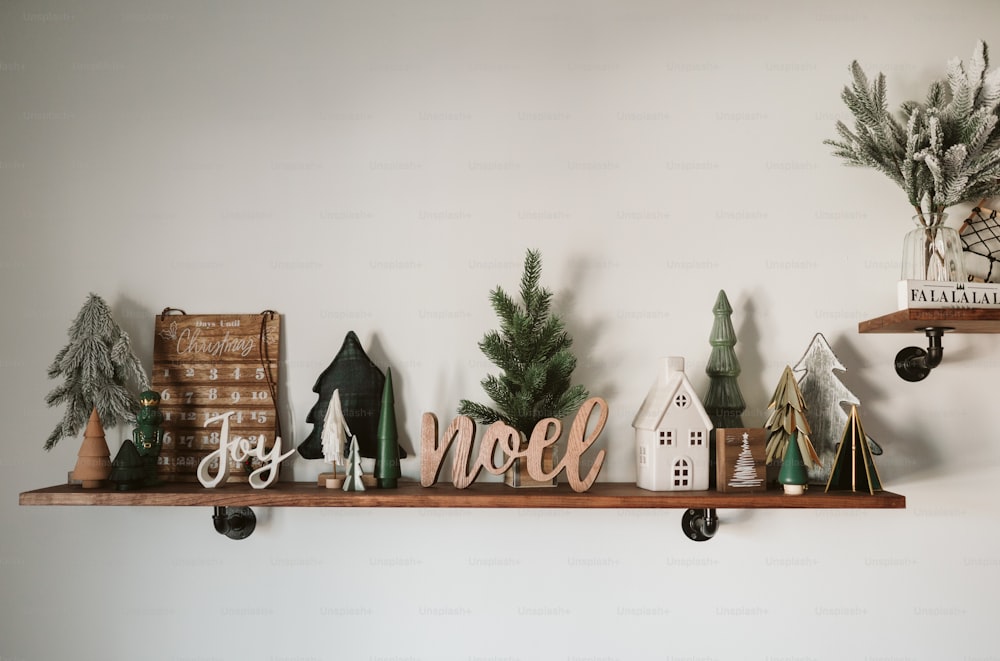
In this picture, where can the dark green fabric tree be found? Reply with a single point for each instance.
(532, 348)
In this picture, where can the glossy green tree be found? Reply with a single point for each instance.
(387, 449)
(724, 402)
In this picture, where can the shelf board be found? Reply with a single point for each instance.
(479, 495)
(956, 320)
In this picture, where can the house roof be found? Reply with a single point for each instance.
(670, 381)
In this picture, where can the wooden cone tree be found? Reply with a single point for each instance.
(853, 466)
(93, 463)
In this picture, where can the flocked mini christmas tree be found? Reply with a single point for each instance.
(97, 364)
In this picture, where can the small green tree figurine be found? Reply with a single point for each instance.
(793, 476)
(532, 349)
(96, 365)
(387, 470)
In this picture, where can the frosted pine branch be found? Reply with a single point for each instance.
(946, 150)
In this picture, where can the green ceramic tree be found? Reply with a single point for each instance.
(724, 402)
(793, 475)
(387, 452)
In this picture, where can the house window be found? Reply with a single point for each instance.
(697, 438)
(667, 437)
(682, 473)
(642, 456)
(682, 401)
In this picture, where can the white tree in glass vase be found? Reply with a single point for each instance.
(941, 152)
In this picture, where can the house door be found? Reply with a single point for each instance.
(682, 473)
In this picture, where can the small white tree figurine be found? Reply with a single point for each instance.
(334, 439)
(353, 481)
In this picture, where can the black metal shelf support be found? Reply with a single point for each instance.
(914, 364)
(700, 525)
(234, 522)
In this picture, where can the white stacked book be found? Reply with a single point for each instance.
(917, 294)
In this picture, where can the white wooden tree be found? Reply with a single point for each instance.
(827, 399)
(352, 481)
(745, 471)
(335, 432)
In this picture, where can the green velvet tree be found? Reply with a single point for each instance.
(97, 365)
(532, 349)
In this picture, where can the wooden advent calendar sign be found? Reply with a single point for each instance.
(204, 366)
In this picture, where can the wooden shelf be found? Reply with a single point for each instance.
(479, 495)
(955, 320)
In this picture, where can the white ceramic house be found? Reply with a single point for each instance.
(671, 433)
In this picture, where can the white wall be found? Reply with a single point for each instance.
(379, 166)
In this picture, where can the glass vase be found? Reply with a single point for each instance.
(933, 251)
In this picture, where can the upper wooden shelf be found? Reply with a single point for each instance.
(956, 320)
(479, 495)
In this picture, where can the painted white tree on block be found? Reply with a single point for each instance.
(745, 473)
(827, 399)
(352, 481)
(335, 433)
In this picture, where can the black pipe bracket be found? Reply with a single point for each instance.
(914, 364)
(700, 525)
(234, 522)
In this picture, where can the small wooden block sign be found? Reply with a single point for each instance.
(740, 460)
(463, 429)
(205, 365)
